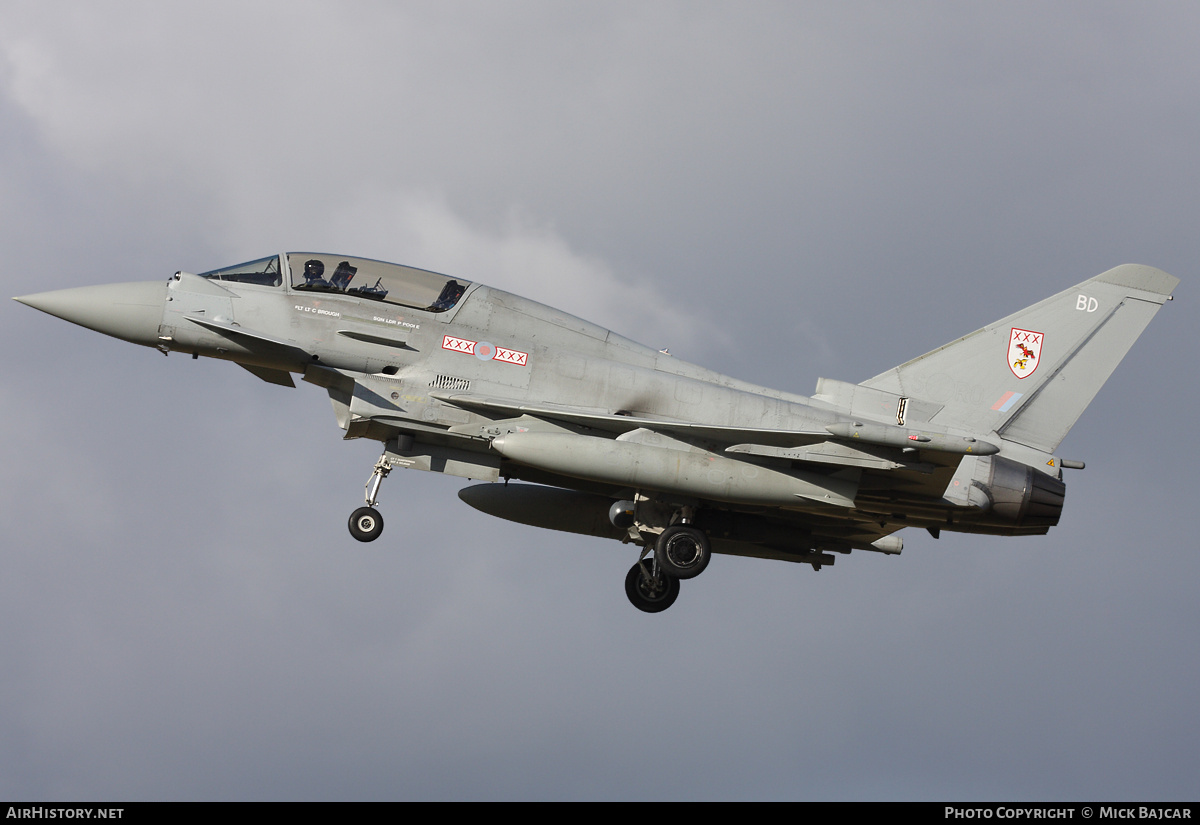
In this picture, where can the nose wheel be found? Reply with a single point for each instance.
(366, 523)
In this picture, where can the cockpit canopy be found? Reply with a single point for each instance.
(360, 277)
(264, 272)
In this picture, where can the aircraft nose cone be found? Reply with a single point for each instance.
(131, 312)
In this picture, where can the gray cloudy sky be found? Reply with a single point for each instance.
(776, 190)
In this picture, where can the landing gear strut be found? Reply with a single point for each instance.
(365, 523)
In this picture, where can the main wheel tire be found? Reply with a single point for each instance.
(682, 552)
(650, 595)
(366, 524)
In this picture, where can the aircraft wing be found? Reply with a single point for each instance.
(627, 423)
(741, 439)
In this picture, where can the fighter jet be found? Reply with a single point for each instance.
(622, 441)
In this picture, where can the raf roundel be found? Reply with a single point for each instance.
(485, 351)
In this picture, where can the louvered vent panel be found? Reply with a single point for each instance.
(449, 382)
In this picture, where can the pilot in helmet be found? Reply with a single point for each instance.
(314, 273)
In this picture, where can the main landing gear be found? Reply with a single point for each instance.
(649, 588)
(365, 523)
(680, 551)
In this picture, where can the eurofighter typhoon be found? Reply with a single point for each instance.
(621, 441)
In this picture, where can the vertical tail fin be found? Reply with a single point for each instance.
(1029, 376)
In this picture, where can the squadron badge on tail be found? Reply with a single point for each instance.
(1024, 349)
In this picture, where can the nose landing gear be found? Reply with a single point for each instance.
(366, 523)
